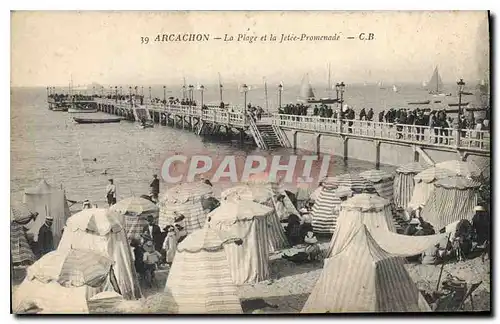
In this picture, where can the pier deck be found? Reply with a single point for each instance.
(270, 131)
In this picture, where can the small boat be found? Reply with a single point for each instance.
(437, 101)
(394, 88)
(463, 104)
(81, 111)
(96, 120)
(426, 102)
(467, 93)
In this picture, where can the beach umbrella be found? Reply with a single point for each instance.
(135, 206)
(234, 210)
(460, 168)
(258, 193)
(412, 167)
(74, 269)
(382, 181)
(20, 213)
(433, 173)
(353, 181)
(365, 202)
(186, 191)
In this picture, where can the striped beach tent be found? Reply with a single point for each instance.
(326, 209)
(267, 196)
(375, 212)
(460, 168)
(20, 250)
(382, 181)
(75, 268)
(404, 183)
(424, 186)
(99, 230)
(248, 262)
(352, 181)
(453, 199)
(200, 281)
(134, 211)
(363, 277)
(185, 199)
(47, 200)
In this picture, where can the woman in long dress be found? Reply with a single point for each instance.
(170, 244)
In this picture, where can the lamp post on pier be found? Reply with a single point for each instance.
(149, 95)
(116, 94)
(130, 96)
(191, 87)
(202, 88)
(340, 88)
(280, 90)
(121, 92)
(245, 90)
(220, 92)
(460, 88)
(142, 91)
(164, 95)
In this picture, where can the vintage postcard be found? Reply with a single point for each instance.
(243, 162)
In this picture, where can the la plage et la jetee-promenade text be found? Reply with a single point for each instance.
(252, 38)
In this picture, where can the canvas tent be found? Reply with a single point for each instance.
(362, 277)
(424, 186)
(460, 168)
(265, 195)
(133, 212)
(248, 262)
(185, 199)
(20, 250)
(374, 212)
(99, 230)
(404, 183)
(326, 209)
(47, 200)
(453, 199)
(199, 281)
(382, 182)
(352, 181)
(62, 282)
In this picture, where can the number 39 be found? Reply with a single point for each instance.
(144, 40)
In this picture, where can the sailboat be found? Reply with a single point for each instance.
(394, 88)
(435, 85)
(381, 85)
(307, 93)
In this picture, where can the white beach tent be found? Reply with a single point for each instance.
(185, 199)
(326, 209)
(453, 199)
(382, 181)
(248, 262)
(199, 281)
(404, 183)
(265, 195)
(47, 201)
(99, 230)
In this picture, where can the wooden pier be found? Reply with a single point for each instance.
(270, 132)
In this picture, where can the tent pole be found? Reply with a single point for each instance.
(442, 266)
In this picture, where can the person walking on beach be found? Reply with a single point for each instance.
(111, 193)
(46, 237)
(155, 188)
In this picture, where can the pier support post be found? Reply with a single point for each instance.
(242, 136)
(318, 144)
(416, 156)
(377, 154)
(345, 142)
(294, 133)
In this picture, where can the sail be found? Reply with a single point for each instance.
(394, 88)
(435, 84)
(306, 90)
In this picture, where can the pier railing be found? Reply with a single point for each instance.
(411, 134)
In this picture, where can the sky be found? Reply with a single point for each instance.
(49, 48)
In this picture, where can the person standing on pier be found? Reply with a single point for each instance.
(111, 193)
(155, 188)
(46, 237)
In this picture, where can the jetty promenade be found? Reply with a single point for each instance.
(271, 131)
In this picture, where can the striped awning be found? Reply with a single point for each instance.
(188, 191)
(413, 167)
(365, 202)
(20, 213)
(460, 168)
(353, 181)
(96, 220)
(434, 173)
(75, 268)
(375, 176)
(135, 206)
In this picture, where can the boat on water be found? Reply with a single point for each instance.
(394, 88)
(437, 101)
(307, 94)
(467, 93)
(435, 85)
(73, 110)
(426, 102)
(60, 108)
(96, 120)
